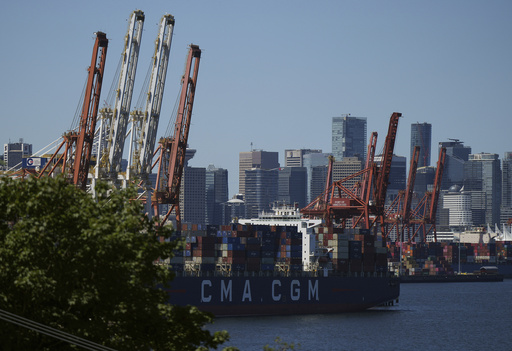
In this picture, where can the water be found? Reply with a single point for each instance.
(430, 316)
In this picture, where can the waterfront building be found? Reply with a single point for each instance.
(292, 186)
(349, 137)
(15, 152)
(421, 135)
(261, 190)
(255, 159)
(458, 203)
(216, 194)
(295, 158)
(482, 177)
(456, 156)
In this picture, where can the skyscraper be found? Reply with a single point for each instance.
(216, 194)
(397, 176)
(261, 190)
(421, 135)
(506, 188)
(425, 177)
(292, 186)
(192, 195)
(349, 137)
(506, 199)
(482, 177)
(255, 159)
(456, 155)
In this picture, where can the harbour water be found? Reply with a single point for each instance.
(429, 316)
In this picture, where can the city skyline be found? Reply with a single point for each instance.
(442, 63)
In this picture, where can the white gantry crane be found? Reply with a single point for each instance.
(114, 122)
(145, 122)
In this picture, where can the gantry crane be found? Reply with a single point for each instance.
(75, 159)
(397, 216)
(339, 203)
(115, 121)
(424, 215)
(145, 123)
(171, 159)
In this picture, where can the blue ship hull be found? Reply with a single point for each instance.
(277, 295)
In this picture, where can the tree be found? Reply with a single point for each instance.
(86, 266)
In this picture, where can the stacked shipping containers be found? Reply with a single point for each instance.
(437, 258)
(255, 248)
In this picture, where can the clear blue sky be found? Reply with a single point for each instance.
(274, 73)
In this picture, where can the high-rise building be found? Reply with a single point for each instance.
(349, 137)
(316, 167)
(14, 153)
(425, 177)
(421, 135)
(482, 177)
(506, 188)
(316, 183)
(216, 194)
(193, 192)
(292, 186)
(458, 203)
(193, 195)
(345, 168)
(506, 198)
(456, 155)
(261, 190)
(255, 159)
(295, 158)
(397, 176)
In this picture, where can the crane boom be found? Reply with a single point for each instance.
(172, 150)
(387, 158)
(110, 161)
(145, 123)
(78, 160)
(410, 184)
(437, 185)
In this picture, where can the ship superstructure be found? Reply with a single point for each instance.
(289, 215)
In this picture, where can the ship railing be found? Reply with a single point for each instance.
(216, 273)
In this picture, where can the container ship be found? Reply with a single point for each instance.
(281, 264)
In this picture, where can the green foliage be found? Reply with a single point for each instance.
(85, 266)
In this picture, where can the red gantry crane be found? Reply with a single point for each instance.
(339, 203)
(424, 215)
(171, 159)
(75, 159)
(397, 215)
